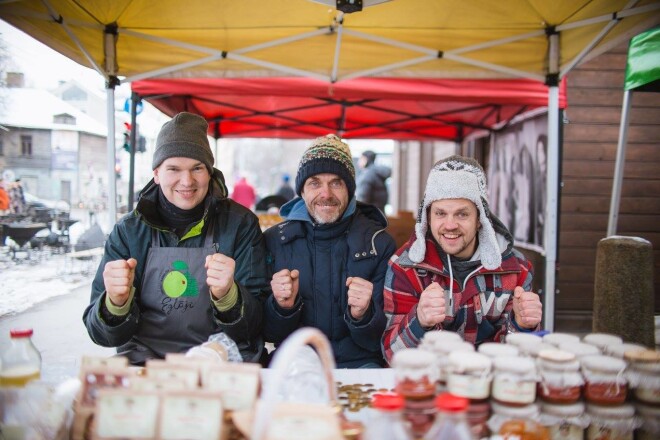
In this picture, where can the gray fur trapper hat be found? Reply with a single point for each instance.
(184, 136)
(458, 177)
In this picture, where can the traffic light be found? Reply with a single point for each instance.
(127, 137)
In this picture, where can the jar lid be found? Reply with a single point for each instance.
(579, 349)
(557, 356)
(514, 364)
(494, 349)
(435, 337)
(558, 338)
(646, 356)
(607, 364)
(388, 401)
(619, 350)
(521, 338)
(448, 402)
(619, 411)
(602, 340)
(466, 361)
(413, 358)
(20, 332)
(569, 410)
(535, 349)
(451, 346)
(525, 412)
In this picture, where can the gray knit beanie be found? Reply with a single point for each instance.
(184, 136)
(458, 177)
(327, 154)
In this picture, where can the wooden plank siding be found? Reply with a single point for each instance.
(590, 135)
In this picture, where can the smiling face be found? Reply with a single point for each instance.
(326, 197)
(454, 224)
(184, 181)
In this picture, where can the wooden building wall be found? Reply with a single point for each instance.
(595, 93)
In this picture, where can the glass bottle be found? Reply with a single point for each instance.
(451, 421)
(21, 361)
(387, 421)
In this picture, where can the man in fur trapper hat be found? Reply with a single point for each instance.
(459, 271)
(329, 259)
(187, 263)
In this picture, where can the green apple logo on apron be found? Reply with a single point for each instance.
(178, 282)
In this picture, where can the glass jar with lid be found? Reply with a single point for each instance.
(514, 380)
(612, 422)
(560, 338)
(650, 418)
(415, 373)
(469, 375)
(602, 340)
(619, 350)
(496, 349)
(580, 349)
(20, 362)
(561, 381)
(604, 380)
(441, 352)
(643, 375)
(436, 338)
(500, 414)
(518, 339)
(565, 422)
(533, 350)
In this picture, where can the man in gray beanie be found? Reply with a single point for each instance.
(328, 259)
(459, 271)
(186, 264)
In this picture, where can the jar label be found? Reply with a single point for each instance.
(566, 431)
(514, 392)
(599, 432)
(468, 386)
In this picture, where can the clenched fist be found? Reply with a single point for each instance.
(431, 309)
(527, 308)
(359, 296)
(285, 285)
(219, 274)
(118, 279)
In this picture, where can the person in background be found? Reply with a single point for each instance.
(459, 271)
(370, 186)
(244, 193)
(286, 190)
(17, 204)
(328, 260)
(4, 199)
(185, 264)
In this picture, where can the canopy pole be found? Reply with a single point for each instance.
(618, 166)
(552, 184)
(135, 99)
(110, 52)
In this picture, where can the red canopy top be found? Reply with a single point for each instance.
(388, 108)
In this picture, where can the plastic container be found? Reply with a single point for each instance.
(565, 422)
(580, 349)
(469, 375)
(386, 421)
(612, 422)
(604, 381)
(496, 349)
(602, 340)
(643, 375)
(514, 380)
(559, 338)
(478, 414)
(561, 381)
(619, 350)
(504, 413)
(451, 421)
(21, 361)
(650, 419)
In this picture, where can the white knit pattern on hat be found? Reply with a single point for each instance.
(454, 178)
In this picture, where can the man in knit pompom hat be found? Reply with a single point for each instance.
(459, 271)
(186, 264)
(329, 259)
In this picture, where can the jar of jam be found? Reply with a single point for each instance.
(500, 414)
(619, 350)
(496, 349)
(604, 381)
(415, 373)
(565, 422)
(469, 375)
(650, 419)
(559, 338)
(436, 338)
(579, 349)
(602, 340)
(514, 380)
(612, 422)
(522, 338)
(533, 350)
(643, 375)
(561, 381)
(441, 352)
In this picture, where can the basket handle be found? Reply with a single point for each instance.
(283, 358)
